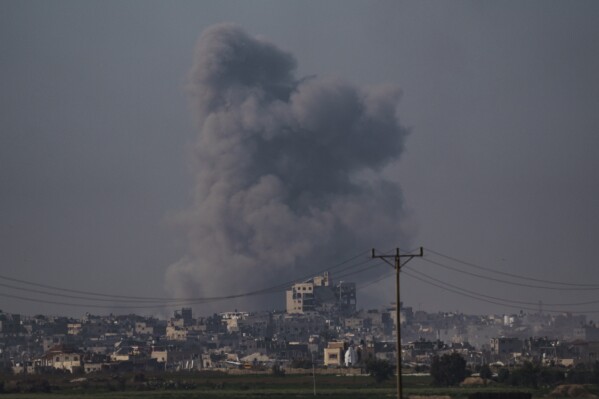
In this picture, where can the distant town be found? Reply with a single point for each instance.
(321, 329)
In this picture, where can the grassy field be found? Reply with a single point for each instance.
(219, 386)
(198, 385)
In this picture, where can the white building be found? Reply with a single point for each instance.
(62, 357)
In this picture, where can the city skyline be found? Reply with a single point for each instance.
(494, 165)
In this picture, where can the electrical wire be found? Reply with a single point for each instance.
(497, 298)
(507, 281)
(369, 283)
(344, 270)
(492, 301)
(25, 289)
(538, 280)
(156, 302)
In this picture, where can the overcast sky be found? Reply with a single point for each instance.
(499, 168)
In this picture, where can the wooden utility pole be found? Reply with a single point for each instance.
(397, 265)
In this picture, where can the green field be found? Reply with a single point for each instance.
(218, 386)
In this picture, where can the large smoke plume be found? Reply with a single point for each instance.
(287, 169)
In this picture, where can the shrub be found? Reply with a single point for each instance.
(527, 375)
(485, 372)
(380, 370)
(448, 370)
(503, 376)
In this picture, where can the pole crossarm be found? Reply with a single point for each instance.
(397, 257)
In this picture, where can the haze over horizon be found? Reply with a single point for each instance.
(109, 147)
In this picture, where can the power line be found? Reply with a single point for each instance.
(344, 268)
(509, 282)
(25, 289)
(490, 301)
(369, 283)
(497, 298)
(156, 302)
(80, 305)
(362, 270)
(473, 265)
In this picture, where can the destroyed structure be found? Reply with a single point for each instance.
(320, 295)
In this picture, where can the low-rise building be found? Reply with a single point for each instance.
(62, 357)
(334, 354)
(505, 348)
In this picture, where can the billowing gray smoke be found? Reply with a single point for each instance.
(286, 169)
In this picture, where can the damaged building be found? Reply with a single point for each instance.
(320, 294)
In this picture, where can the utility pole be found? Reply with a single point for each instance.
(313, 372)
(397, 266)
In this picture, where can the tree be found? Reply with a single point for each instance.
(448, 369)
(485, 372)
(525, 376)
(503, 375)
(549, 376)
(380, 370)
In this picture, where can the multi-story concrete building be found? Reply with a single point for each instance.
(185, 314)
(319, 294)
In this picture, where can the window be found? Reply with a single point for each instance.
(57, 358)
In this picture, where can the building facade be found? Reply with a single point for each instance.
(319, 294)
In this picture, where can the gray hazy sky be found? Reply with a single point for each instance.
(500, 167)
